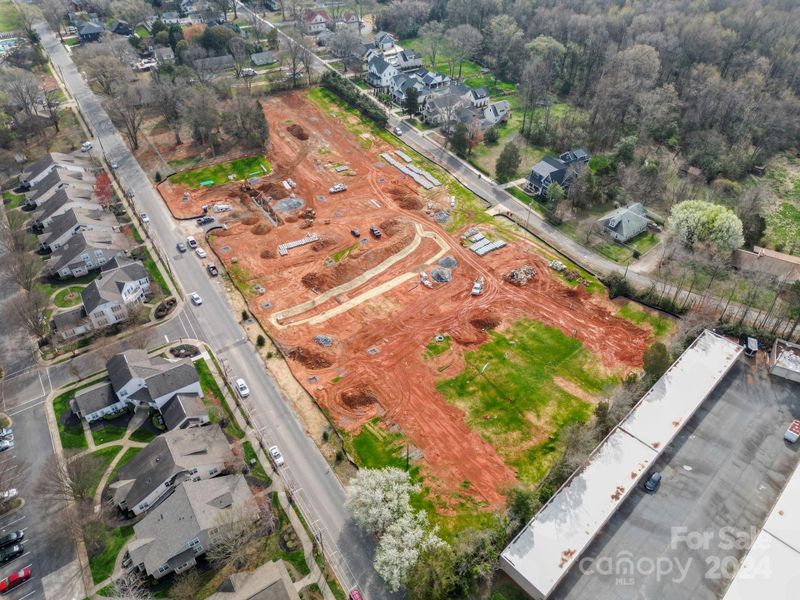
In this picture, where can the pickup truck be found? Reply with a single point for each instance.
(212, 269)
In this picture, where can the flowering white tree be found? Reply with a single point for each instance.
(400, 546)
(697, 221)
(378, 497)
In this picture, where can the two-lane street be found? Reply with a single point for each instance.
(320, 490)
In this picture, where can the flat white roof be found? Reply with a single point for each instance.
(771, 568)
(788, 355)
(539, 557)
(544, 551)
(671, 402)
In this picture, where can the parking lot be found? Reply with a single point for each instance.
(721, 477)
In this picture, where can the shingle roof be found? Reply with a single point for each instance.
(183, 406)
(270, 581)
(173, 453)
(160, 375)
(95, 398)
(86, 240)
(108, 287)
(378, 65)
(626, 220)
(194, 507)
(261, 59)
(77, 217)
(548, 165)
(68, 319)
(90, 28)
(54, 158)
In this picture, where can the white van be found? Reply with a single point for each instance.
(191, 242)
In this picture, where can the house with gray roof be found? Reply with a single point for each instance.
(555, 170)
(625, 223)
(270, 581)
(74, 185)
(495, 113)
(164, 55)
(34, 172)
(63, 226)
(406, 60)
(122, 285)
(96, 402)
(70, 323)
(263, 59)
(380, 73)
(145, 381)
(90, 31)
(86, 251)
(173, 535)
(179, 455)
(183, 411)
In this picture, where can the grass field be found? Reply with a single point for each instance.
(9, 17)
(107, 433)
(256, 470)
(216, 399)
(72, 437)
(143, 434)
(154, 272)
(12, 200)
(67, 297)
(219, 173)
(112, 540)
(510, 394)
(106, 455)
(660, 325)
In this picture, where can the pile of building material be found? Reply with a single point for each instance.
(324, 340)
(406, 171)
(557, 265)
(448, 262)
(425, 174)
(520, 276)
(441, 275)
(283, 249)
(482, 246)
(491, 247)
(470, 233)
(403, 155)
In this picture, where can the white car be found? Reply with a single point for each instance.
(196, 299)
(191, 242)
(12, 493)
(276, 456)
(339, 187)
(6, 445)
(145, 218)
(248, 72)
(201, 253)
(86, 146)
(398, 132)
(242, 388)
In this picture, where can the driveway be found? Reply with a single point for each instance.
(721, 477)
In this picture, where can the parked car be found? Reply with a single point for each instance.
(15, 579)
(200, 252)
(12, 538)
(6, 445)
(793, 432)
(653, 482)
(205, 220)
(247, 72)
(11, 552)
(8, 494)
(191, 242)
(86, 146)
(212, 269)
(355, 594)
(375, 231)
(276, 456)
(242, 388)
(398, 132)
(6, 432)
(355, 233)
(145, 218)
(339, 187)
(196, 299)
(181, 247)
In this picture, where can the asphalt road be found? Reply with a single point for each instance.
(308, 472)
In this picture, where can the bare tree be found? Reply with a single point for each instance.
(131, 585)
(201, 113)
(54, 13)
(362, 8)
(185, 585)
(52, 105)
(14, 237)
(346, 44)
(107, 71)
(127, 109)
(68, 481)
(23, 89)
(292, 50)
(23, 269)
(432, 36)
(131, 11)
(167, 95)
(463, 42)
(230, 539)
(30, 309)
(237, 48)
(257, 26)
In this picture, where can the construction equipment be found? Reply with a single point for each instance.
(477, 287)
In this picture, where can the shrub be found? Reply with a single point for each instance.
(491, 136)
(245, 315)
(261, 341)
(158, 177)
(348, 92)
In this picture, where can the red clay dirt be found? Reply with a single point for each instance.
(375, 364)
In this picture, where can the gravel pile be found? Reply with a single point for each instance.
(448, 262)
(441, 275)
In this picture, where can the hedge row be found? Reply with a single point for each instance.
(352, 96)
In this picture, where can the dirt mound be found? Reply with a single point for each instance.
(485, 322)
(267, 254)
(405, 198)
(316, 281)
(261, 229)
(323, 244)
(359, 397)
(310, 359)
(251, 220)
(520, 276)
(391, 227)
(270, 188)
(291, 219)
(297, 131)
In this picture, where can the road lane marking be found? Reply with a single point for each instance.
(16, 412)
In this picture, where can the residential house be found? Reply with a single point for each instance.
(385, 41)
(70, 323)
(183, 411)
(84, 252)
(178, 455)
(171, 18)
(406, 60)
(63, 226)
(403, 82)
(479, 97)
(625, 223)
(349, 20)
(551, 169)
(164, 55)
(323, 37)
(97, 402)
(380, 73)
(76, 186)
(122, 285)
(34, 172)
(270, 581)
(433, 80)
(495, 113)
(442, 108)
(121, 28)
(315, 21)
(61, 202)
(145, 381)
(90, 32)
(263, 59)
(173, 535)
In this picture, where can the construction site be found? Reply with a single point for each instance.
(348, 255)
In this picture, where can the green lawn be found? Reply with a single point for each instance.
(659, 324)
(73, 41)
(210, 388)
(112, 541)
(256, 470)
(106, 455)
(51, 286)
(142, 32)
(644, 242)
(218, 174)
(783, 228)
(9, 17)
(67, 297)
(12, 200)
(107, 433)
(509, 395)
(154, 271)
(71, 437)
(143, 434)
(436, 348)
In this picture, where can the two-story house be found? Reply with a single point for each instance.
(270, 581)
(122, 284)
(560, 170)
(380, 73)
(34, 172)
(86, 251)
(406, 60)
(315, 21)
(75, 184)
(173, 535)
(178, 455)
(62, 227)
